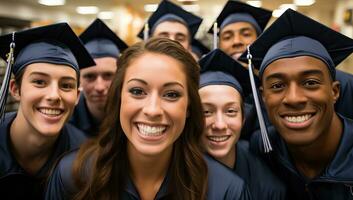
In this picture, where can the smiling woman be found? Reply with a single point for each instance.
(46, 71)
(149, 144)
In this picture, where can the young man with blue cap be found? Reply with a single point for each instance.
(105, 47)
(46, 67)
(239, 25)
(223, 85)
(173, 22)
(312, 143)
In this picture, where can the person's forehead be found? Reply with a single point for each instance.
(296, 65)
(171, 27)
(50, 69)
(237, 26)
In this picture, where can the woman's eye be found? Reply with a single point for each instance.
(38, 82)
(207, 113)
(68, 86)
(172, 95)
(136, 91)
(231, 112)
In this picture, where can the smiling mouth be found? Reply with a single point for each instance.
(222, 138)
(52, 112)
(151, 131)
(298, 119)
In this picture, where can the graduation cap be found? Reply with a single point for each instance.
(101, 41)
(198, 48)
(236, 11)
(167, 11)
(55, 44)
(294, 34)
(217, 68)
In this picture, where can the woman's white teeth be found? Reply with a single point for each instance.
(151, 130)
(297, 119)
(50, 111)
(218, 138)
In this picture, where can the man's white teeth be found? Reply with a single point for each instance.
(50, 111)
(218, 138)
(151, 130)
(297, 119)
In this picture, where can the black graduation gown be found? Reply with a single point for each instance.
(335, 182)
(83, 119)
(15, 182)
(263, 183)
(344, 104)
(223, 184)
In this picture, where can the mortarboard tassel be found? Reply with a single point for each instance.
(215, 32)
(5, 83)
(145, 32)
(265, 140)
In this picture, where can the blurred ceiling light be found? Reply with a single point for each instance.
(191, 8)
(52, 2)
(257, 4)
(282, 8)
(304, 2)
(150, 7)
(106, 15)
(87, 10)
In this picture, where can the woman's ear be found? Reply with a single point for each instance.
(15, 90)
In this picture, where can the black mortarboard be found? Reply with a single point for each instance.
(169, 11)
(56, 44)
(235, 11)
(198, 48)
(101, 41)
(294, 34)
(217, 68)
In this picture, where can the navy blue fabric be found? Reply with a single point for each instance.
(241, 17)
(83, 119)
(335, 182)
(297, 46)
(263, 183)
(292, 23)
(168, 17)
(219, 78)
(258, 17)
(46, 52)
(101, 47)
(167, 7)
(344, 104)
(199, 48)
(223, 184)
(101, 41)
(56, 44)
(15, 182)
(217, 68)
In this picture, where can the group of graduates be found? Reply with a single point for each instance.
(264, 116)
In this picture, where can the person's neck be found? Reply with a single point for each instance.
(230, 159)
(29, 147)
(311, 160)
(97, 112)
(148, 172)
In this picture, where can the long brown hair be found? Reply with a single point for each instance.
(107, 155)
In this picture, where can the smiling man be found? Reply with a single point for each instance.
(312, 143)
(239, 25)
(105, 47)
